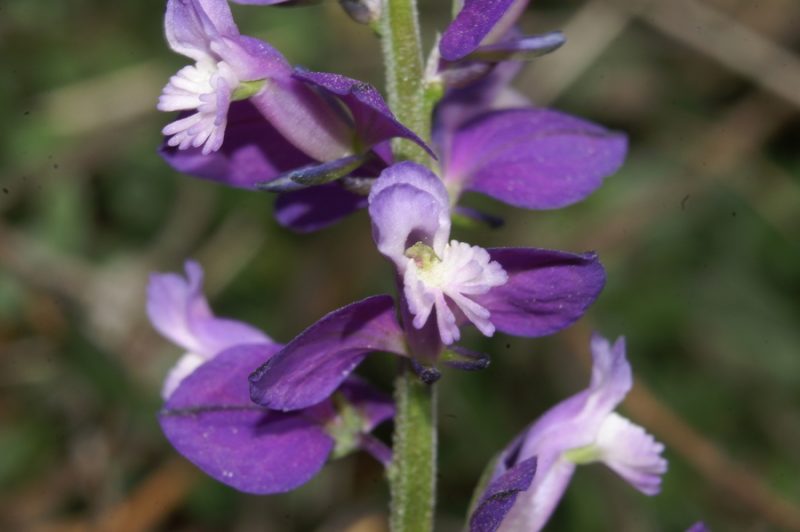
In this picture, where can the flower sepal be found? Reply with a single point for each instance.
(464, 359)
(426, 373)
(313, 174)
(363, 11)
(356, 408)
(523, 48)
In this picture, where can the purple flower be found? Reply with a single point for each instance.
(529, 292)
(208, 415)
(444, 285)
(581, 430)
(302, 107)
(250, 120)
(489, 140)
(225, 62)
(178, 310)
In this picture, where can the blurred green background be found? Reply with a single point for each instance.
(699, 232)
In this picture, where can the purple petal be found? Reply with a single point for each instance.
(211, 421)
(173, 300)
(222, 381)
(314, 208)
(402, 216)
(461, 105)
(698, 527)
(192, 25)
(306, 118)
(534, 158)
(546, 290)
(500, 496)
(414, 175)
(217, 334)
(476, 21)
(611, 371)
(205, 30)
(178, 309)
(408, 204)
(313, 365)
(253, 151)
(253, 59)
(374, 122)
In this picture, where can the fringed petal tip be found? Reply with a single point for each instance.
(632, 453)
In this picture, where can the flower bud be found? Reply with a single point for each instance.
(362, 11)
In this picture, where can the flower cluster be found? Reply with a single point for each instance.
(264, 417)
(208, 415)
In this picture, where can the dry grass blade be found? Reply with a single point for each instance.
(726, 40)
(153, 500)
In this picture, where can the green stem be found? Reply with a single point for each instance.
(402, 52)
(412, 475)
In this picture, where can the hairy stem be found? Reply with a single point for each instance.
(412, 474)
(402, 53)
